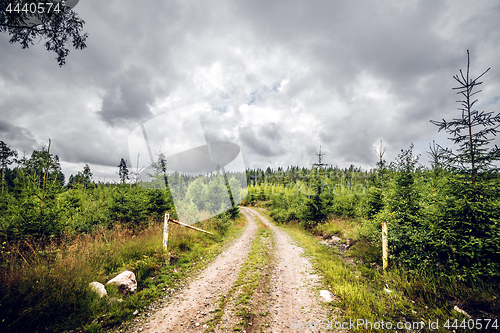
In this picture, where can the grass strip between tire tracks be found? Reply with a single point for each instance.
(249, 293)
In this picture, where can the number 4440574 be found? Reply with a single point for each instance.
(478, 324)
(32, 8)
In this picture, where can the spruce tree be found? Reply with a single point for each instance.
(468, 235)
(123, 171)
(6, 155)
(473, 156)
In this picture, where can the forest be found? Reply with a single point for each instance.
(58, 235)
(438, 220)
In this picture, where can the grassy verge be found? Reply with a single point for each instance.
(249, 294)
(367, 293)
(47, 290)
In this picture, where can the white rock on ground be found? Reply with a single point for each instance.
(98, 288)
(456, 308)
(326, 295)
(125, 281)
(335, 239)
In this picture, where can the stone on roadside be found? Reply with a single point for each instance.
(335, 239)
(125, 281)
(327, 296)
(456, 308)
(98, 288)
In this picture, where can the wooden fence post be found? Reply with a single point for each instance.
(165, 231)
(384, 245)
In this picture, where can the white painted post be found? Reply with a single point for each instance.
(165, 231)
(384, 245)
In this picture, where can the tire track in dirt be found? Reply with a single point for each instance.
(294, 297)
(191, 308)
(246, 306)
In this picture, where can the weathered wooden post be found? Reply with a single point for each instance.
(165, 231)
(384, 245)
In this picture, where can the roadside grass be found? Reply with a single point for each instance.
(46, 288)
(340, 227)
(411, 297)
(253, 277)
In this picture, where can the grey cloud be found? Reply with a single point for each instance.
(264, 141)
(90, 149)
(17, 137)
(129, 98)
(153, 53)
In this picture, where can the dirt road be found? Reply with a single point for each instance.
(284, 296)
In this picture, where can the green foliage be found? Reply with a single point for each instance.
(237, 191)
(217, 192)
(133, 206)
(190, 213)
(438, 220)
(356, 278)
(159, 202)
(197, 193)
(6, 158)
(84, 178)
(408, 229)
(35, 211)
(125, 208)
(344, 205)
(123, 171)
(315, 210)
(222, 222)
(467, 238)
(374, 201)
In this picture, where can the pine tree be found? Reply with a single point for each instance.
(87, 175)
(468, 235)
(473, 157)
(123, 171)
(6, 155)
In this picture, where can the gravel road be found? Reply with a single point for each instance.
(293, 283)
(292, 296)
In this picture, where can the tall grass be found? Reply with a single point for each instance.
(44, 287)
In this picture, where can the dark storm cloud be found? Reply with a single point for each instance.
(281, 77)
(91, 150)
(128, 98)
(394, 41)
(265, 141)
(18, 138)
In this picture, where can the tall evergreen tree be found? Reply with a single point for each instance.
(468, 237)
(473, 156)
(87, 175)
(123, 171)
(6, 158)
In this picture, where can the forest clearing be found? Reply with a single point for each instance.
(282, 250)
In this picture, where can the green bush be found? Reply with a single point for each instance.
(374, 201)
(467, 237)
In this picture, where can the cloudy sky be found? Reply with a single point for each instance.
(278, 78)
